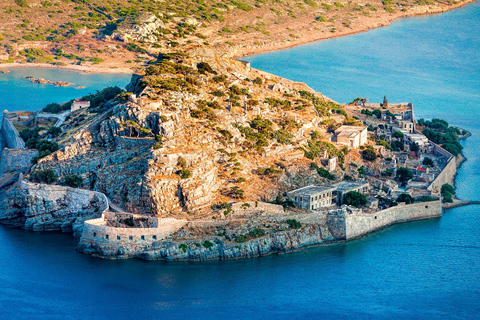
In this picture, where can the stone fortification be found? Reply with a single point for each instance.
(99, 238)
(318, 227)
(359, 223)
(447, 174)
(11, 138)
(40, 207)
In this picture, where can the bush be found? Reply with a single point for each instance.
(52, 108)
(294, 224)
(204, 67)
(207, 244)
(426, 199)
(404, 174)
(447, 188)
(54, 131)
(369, 154)
(405, 197)
(427, 162)
(184, 173)
(356, 199)
(45, 176)
(255, 233)
(73, 180)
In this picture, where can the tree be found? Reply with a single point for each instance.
(369, 154)
(447, 192)
(356, 199)
(415, 148)
(46, 176)
(404, 174)
(405, 197)
(73, 180)
(54, 131)
(427, 162)
(398, 134)
(52, 108)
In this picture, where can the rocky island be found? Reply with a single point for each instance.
(203, 157)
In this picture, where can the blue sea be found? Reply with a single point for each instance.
(420, 270)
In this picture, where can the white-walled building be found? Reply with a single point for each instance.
(351, 136)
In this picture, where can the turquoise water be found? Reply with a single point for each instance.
(420, 270)
(20, 94)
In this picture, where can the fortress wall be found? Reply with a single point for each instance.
(11, 138)
(446, 176)
(358, 224)
(125, 241)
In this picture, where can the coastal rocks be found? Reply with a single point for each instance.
(50, 208)
(44, 81)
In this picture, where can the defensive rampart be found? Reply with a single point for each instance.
(359, 223)
(447, 174)
(98, 238)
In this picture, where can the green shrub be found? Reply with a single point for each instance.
(184, 173)
(294, 224)
(356, 199)
(54, 131)
(73, 180)
(183, 247)
(45, 176)
(405, 197)
(426, 199)
(207, 244)
(369, 154)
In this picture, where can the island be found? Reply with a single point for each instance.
(203, 157)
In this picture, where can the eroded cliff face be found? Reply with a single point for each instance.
(48, 208)
(193, 131)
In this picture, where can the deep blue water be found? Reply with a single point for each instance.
(419, 270)
(20, 94)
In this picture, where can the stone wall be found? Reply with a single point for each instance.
(98, 238)
(359, 223)
(447, 174)
(257, 208)
(11, 138)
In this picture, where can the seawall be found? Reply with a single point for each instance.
(359, 224)
(99, 238)
(447, 174)
(320, 227)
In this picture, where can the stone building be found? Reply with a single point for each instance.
(77, 105)
(351, 136)
(342, 188)
(312, 197)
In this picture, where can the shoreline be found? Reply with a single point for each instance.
(280, 46)
(83, 69)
